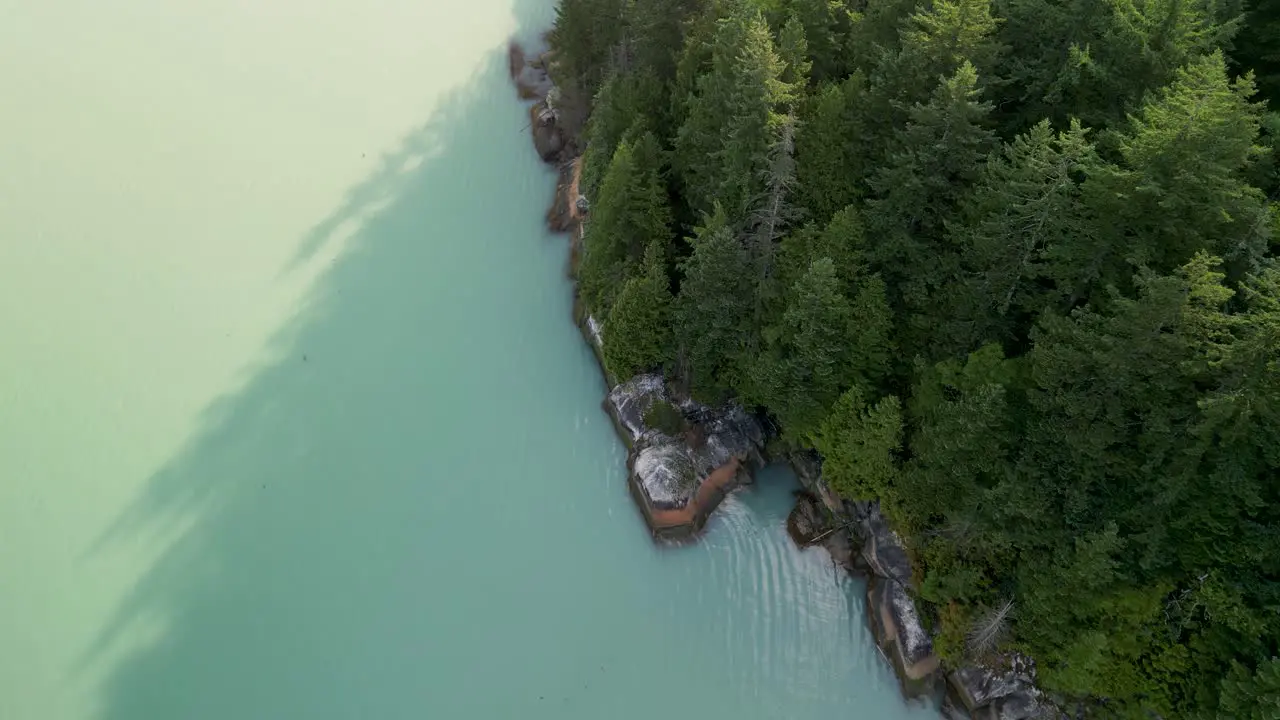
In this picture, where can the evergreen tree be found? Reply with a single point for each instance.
(655, 33)
(1251, 696)
(936, 159)
(1024, 220)
(1255, 48)
(832, 160)
(1096, 59)
(859, 444)
(723, 146)
(713, 309)
(586, 36)
(1181, 188)
(793, 48)
(1094, 484)
(935, 42)
(638, 329)
(826, 25)
(630, 213)
(807, 366)
(636, 99)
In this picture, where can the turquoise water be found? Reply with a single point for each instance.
(293, 420)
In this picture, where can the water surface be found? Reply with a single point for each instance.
(293, 421)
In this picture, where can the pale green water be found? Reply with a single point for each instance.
(293, 422)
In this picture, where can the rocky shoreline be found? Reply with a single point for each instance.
(684, 458)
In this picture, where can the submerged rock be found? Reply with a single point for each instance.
(678, 475)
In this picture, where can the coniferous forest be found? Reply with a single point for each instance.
(1008, 266)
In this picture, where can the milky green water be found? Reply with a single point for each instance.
(293, 421)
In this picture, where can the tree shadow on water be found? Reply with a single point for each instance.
(285, 597)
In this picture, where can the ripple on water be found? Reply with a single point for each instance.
(782, 613)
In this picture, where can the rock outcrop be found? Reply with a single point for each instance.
(901, 635)
(678, 475)
(1003, 690)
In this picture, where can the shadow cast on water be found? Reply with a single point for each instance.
(283, 596)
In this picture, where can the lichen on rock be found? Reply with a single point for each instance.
(668, 472)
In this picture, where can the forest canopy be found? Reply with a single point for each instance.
(1009, 266)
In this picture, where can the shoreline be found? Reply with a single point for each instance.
(855, 534)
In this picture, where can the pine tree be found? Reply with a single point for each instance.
(793, 48)
(859, 444)
(713, 309)
(636, 99)
(807, 368)
(934, 43)
(832, 160)
(826, 24)
(1181, 188)
(1095, 59)
(655, 33)
(638, 335)
(936, 159)
(1255, 48)
(630, 213)
(1023, 228)
(585, 36)
(733, 114)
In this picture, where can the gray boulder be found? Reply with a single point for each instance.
(1004, 689)
(978, 687)
(667, 471)
(548, 139)
(629, 401)
(900, 633)
(1022, 705)
(883, 551)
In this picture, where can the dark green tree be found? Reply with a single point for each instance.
(859, 444)
(638, 335)
(832, 159)
(722, 149)
(631, 212)
(936, 159)
(1023, 233)
(1181, 188)
(806, 367)
(586, 37)
(1095, 59)
(624, 101)
(713, 309)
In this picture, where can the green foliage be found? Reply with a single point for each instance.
(831, 157)
(1181, 188)
(638, 329)
(1009, 266)
(664, 417)
(1022, 229)
(793, 48)
(1255, 48)
(1096, 59)
(631, 212)
(624, 102)
(1251, 696)
(584, 36)
(722, 149)
(713, 309)
(806, 368)
(858, 444)
(934, 161)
